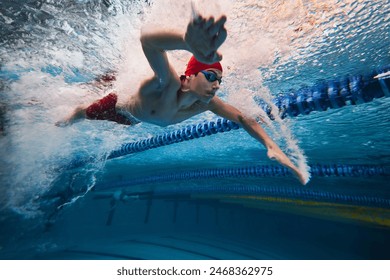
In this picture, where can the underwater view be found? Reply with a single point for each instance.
(317, 73)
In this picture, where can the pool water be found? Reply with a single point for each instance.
(214, 197)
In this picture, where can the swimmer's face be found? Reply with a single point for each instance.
(206, 83)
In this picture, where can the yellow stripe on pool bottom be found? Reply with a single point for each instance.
(325, 210)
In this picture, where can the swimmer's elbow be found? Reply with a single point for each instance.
(145, 32)
(150, 39)
(245, 120)
(145, 40)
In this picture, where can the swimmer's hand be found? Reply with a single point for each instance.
(205, 36)
(276, 154)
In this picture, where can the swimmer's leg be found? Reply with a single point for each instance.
(78, 114)
(102, 109)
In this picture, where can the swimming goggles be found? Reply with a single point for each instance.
(211, 77)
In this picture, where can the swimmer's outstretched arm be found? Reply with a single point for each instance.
(203, 37)
(229, 112)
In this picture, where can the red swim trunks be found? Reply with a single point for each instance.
(104, 109)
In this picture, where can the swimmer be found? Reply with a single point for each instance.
(167, 98)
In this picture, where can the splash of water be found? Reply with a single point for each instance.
(85, 36)
(245, 87)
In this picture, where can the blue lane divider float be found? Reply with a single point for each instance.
(331, 94)
(188, 133)
(316, 170)
(257, 190)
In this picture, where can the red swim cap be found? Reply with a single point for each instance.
(194, 66)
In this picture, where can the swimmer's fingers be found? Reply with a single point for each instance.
(196, 16)
(219, 38)
(204, 37)
(217, 26)
(198, 22)
(209, 23)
